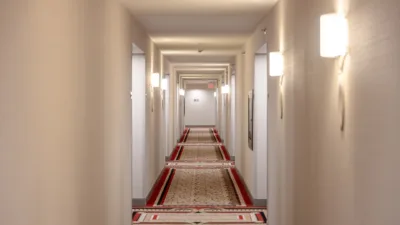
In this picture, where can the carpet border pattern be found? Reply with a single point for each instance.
(176, 154)
(161, 188)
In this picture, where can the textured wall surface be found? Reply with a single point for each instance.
(319, 174)
(65, 127)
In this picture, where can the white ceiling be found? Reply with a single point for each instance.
(201, 58)
(199, 81)
(181, 27)
(198, 7)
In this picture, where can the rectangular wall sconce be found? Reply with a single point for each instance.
(334, 35)
(225, 89)
(276, 64)
(155, 80)
(164, 84)
(215, 94)
(181, 92)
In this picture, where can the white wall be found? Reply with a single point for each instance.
(202, 112)
(223, 116)
(182, 114)
(65, 133)
(216, 103)
(167, 148)
(260, 126)
(153, 151)
(138, 125)
(171, 113)
(232, 131)
(154, 114)
(218, 109)
(177, 113)
(70, 141)
(317, 173)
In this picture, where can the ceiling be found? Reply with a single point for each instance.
(200, 81)
(197, 7)
(218, 28)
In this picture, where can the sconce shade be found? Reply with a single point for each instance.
(225, 89)
(155, 80)
(334, 35)
(215, 94)
(181, 92)
(164, 84)
(275, 64)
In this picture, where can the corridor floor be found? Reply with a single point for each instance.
(199, 185)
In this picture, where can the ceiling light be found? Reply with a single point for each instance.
(334, 35)
(155, 80)
(275, 64)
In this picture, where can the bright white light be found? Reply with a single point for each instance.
(155, 80)
(164, 84)
(334, 35)
(182, 92)
(215, 94)
(275, 64)
(225, 89)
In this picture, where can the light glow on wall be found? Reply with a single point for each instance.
(276, 64)
(164, 84)
(155, 80)
(181, 92)
(225, 89)
(334, 35)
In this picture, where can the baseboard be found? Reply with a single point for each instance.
(207, 126)
(139, 201)
(259, 202)
(143, 201)
(256, 202)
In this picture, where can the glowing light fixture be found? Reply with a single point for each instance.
(225, 89)
(334, 35)
(275, 64)
(164, 84)
(155, 80)
(215, 94)
(181, 92)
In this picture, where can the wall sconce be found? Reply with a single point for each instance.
(164, 84)
(334, 35)
(225, 89)
(276, 64)
(182, 92)
(215, 94)
(155, 80)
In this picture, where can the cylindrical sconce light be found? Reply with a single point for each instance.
(334, 35)
(182, 92)
(155, 80)
(164, 84)
(276, 64)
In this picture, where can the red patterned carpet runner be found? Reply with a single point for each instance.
(200, 216)
(199, 185)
